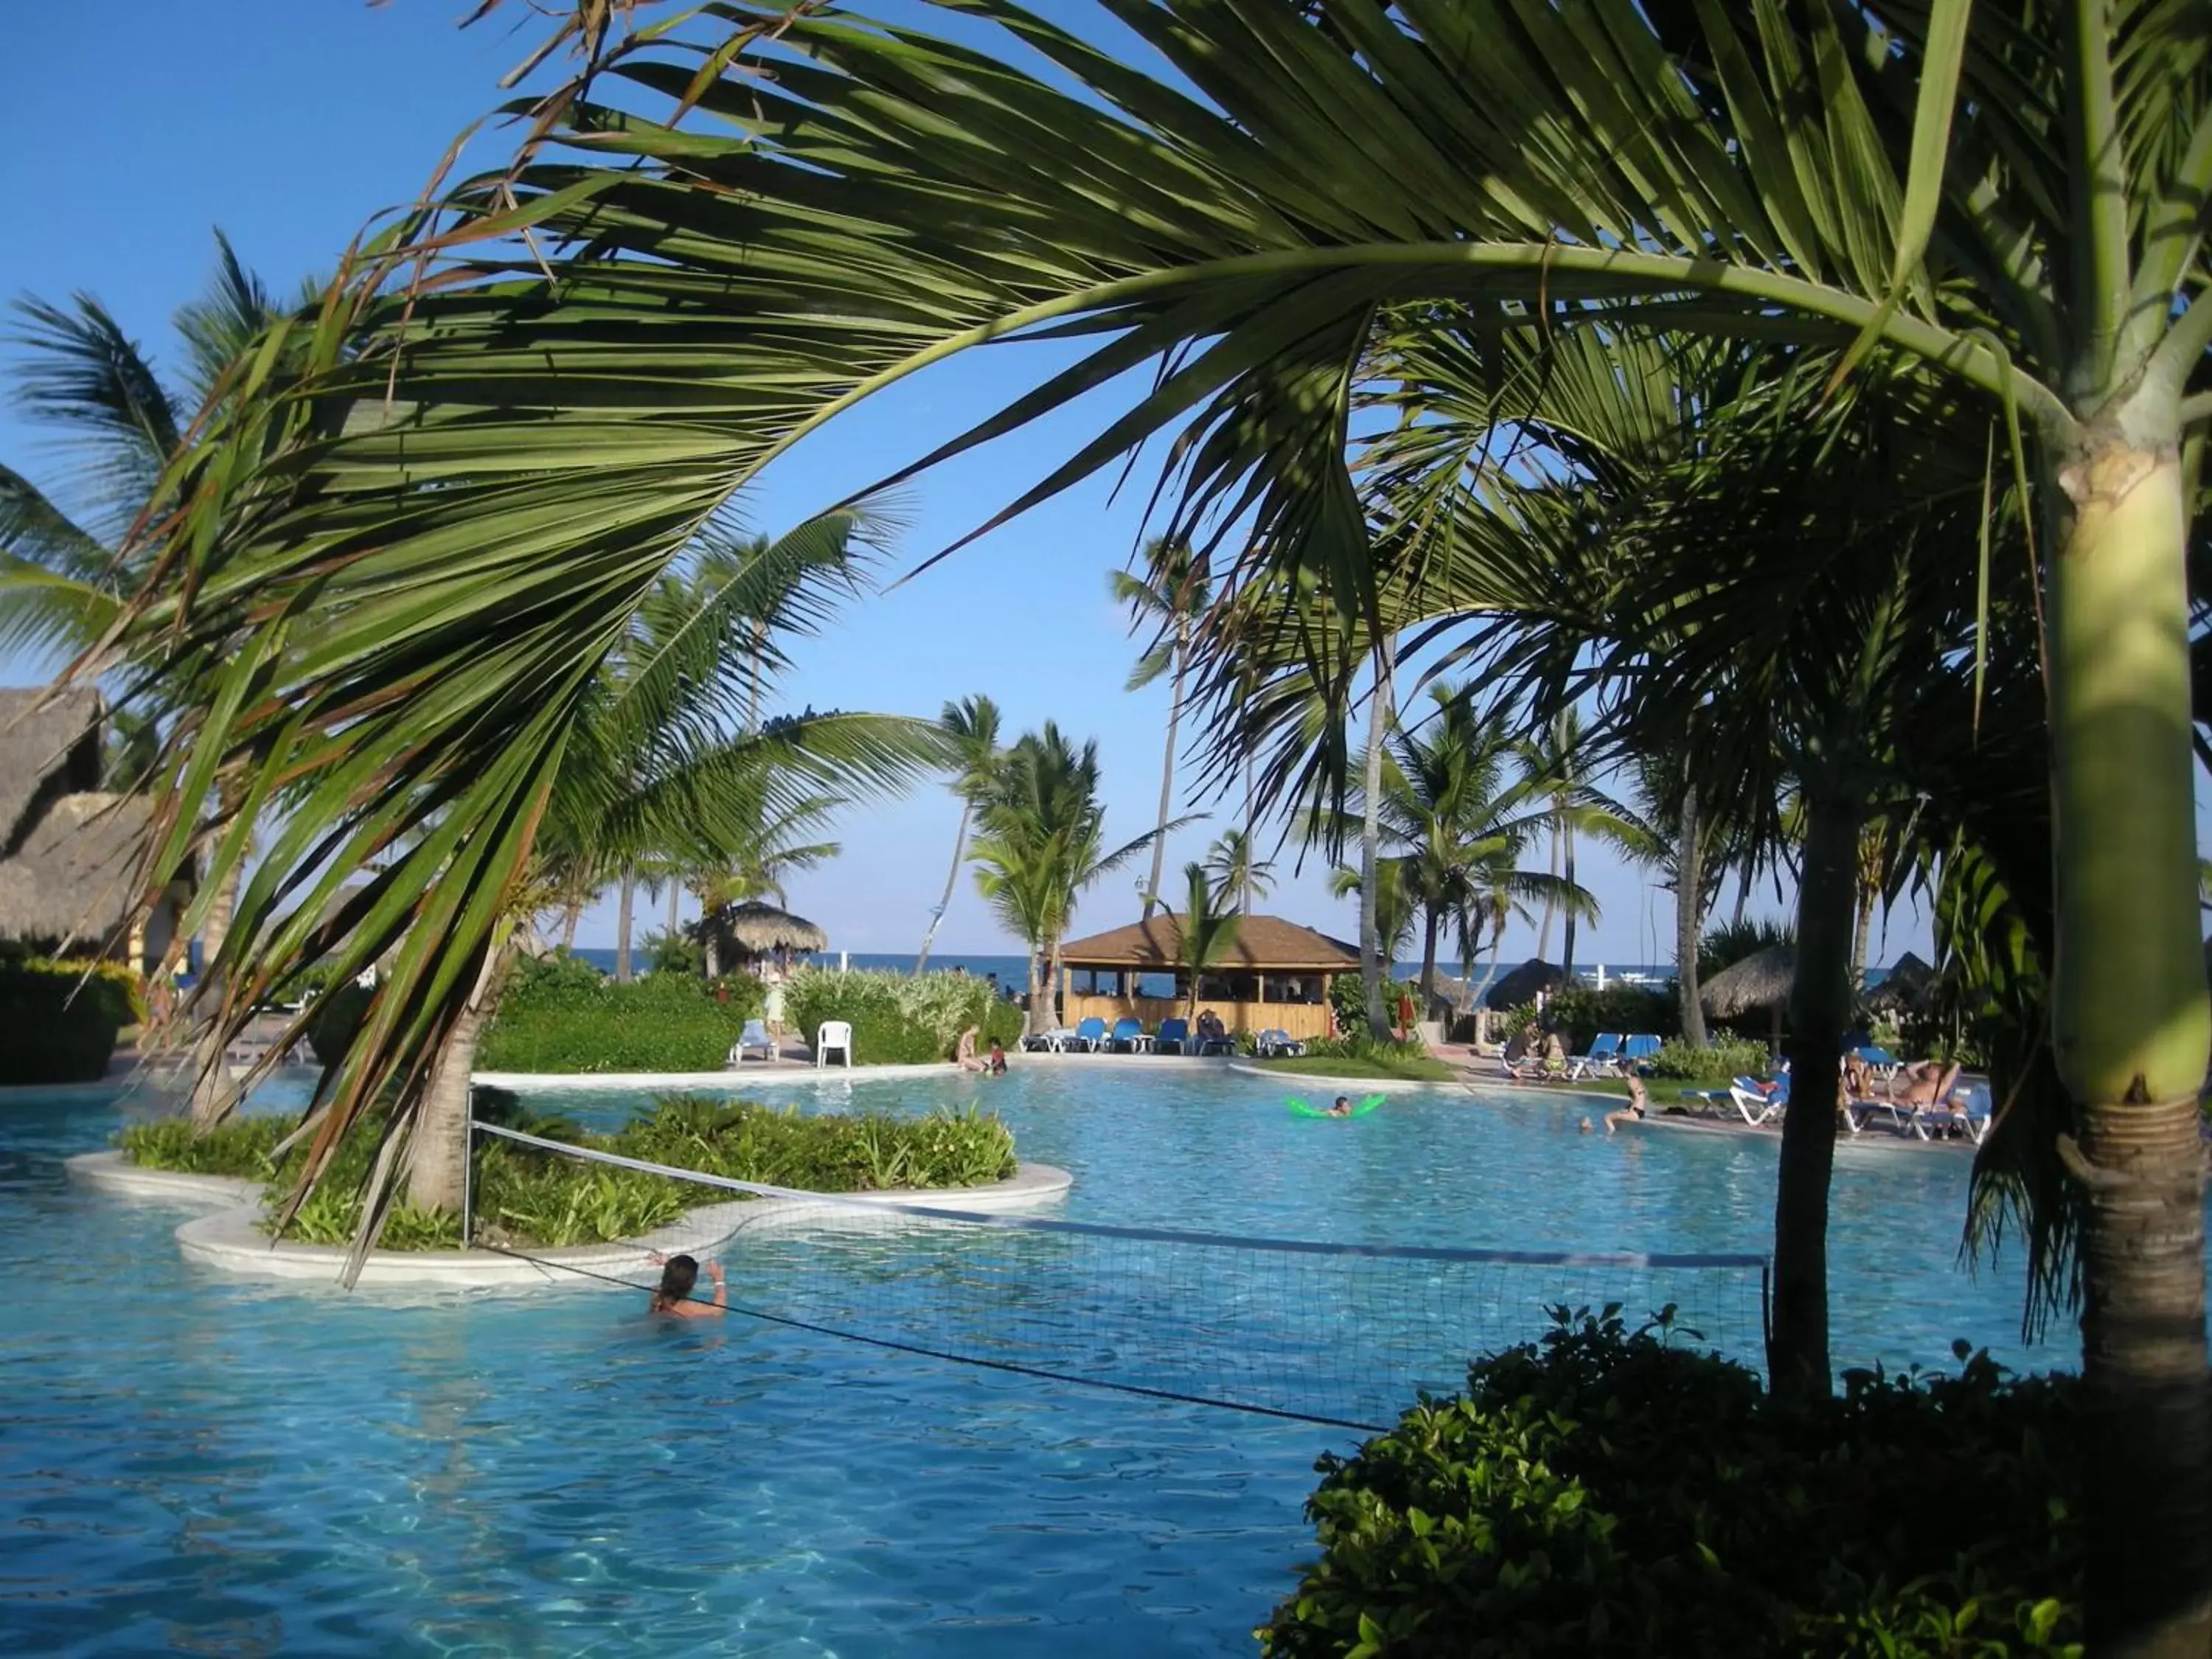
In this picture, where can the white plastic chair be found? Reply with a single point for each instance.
(834, 1034)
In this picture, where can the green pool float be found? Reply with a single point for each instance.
(1360, 1108)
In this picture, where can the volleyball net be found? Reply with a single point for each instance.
(1342, 1334)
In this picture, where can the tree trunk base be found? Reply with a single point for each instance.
(2143, 1359)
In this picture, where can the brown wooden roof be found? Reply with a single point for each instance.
(1261, 942)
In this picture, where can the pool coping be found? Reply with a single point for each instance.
(229, 1237)
(553, 1082)
(1878, 1141)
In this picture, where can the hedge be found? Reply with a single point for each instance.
(59, 1020)
(900, 1020)
(562, 1015)
(1605, 1494)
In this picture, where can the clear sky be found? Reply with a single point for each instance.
(133, 127)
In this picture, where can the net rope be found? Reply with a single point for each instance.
(1343, 1334)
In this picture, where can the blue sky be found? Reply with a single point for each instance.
(134, 126)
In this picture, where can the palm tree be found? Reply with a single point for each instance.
(1554, 762)
(1237, 867)
(2009, 196)
(1168, 598)
(972, 727)
(1205, 930)
(1040, 841)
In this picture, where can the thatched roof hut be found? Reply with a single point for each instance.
(1761, 979)
(759, 929)
(1903, 986)
(1521, 984)
(72, 884)
(49, 748)
(1262, 944)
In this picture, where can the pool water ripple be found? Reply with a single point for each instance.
(188, 1463)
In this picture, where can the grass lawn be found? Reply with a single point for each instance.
(1409, 1069)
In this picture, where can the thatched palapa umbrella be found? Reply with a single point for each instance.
(1761, 979)
(1903, 986)
(759, 930)
(1522, 983)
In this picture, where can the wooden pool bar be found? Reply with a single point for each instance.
(1274, 977)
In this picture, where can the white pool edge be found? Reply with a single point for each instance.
(763, 1076)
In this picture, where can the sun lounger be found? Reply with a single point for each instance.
(1604, 1054)
(1277, 1043)
(1089, 1036)
(1174, 1034)
(755, 1036)
(1878, 1062)
(1763, 1103)
(1635, 1048)
(1129, 1037)
(1054, 1042)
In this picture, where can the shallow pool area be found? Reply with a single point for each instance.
(193, 1462)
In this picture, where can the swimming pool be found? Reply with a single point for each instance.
(190, 1461)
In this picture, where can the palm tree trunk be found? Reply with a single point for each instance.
(1819, 1006)
(438, 1150)
(1742, 896)
(1167, 768)
(675, 890)
(1040, 1017)
(713, 949)
(1244, 876)
(1053, 970)
(621, 925)
(1862, 921)
(571, 914)
(214, 1096)
(2129, 1022)
(1689, 911)
(1567, 912)
(952, 880)
(1370, 841)
(1429, 961)
(1543, 931)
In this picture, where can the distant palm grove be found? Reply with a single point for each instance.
(1757, 437)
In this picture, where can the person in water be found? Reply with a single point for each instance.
(964, 1052)
(996, 1065)
(1343, 1107)
(1639, 1102)
(679, 1274)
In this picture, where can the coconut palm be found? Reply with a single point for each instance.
(1554, 762)
(1206, 929)
(972, 727)
(1168, 599)
(1236, 868)
(1040, 842)
(2009, 195)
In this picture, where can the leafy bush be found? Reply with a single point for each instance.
(1347, 1001)
(899, 1019)
(1603, 1493)
(527, 1198)
(562, 1015)
(1724, 1058)
(59, 1020)
(673, 953)
(1580, 1013)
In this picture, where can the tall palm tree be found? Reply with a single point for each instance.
(1237, 867)
(972, 727)
(2008, 196)
(1206, 929)
(1168, 598)
(1040, 841)
(1554, 761)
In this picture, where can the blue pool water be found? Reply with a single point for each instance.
(191, 1463)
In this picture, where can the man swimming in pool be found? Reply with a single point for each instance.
(1343, 1107)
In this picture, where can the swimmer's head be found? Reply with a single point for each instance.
(678, 1277)
(1344, 1100)
(1583, 1128)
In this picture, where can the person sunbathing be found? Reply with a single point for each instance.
(1928, 1087)
(964, 1052)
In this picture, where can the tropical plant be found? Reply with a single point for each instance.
(1555, 764)
(1237, 867)
(1205, 930)
(1168, 598)
(2011, 196)
(971, 725)
(1040, 841)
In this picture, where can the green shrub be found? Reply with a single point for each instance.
(1724, 1058)
(1602, 1493)
(239, 1146)
(1581, 1012)
(1347, 1001)
(561, 1015)
(59, 1020)
(899, 1019)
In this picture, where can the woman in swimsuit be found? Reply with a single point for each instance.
(1639, 1102)
(679, 1274)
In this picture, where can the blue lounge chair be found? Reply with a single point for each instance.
(1604, 1053)
(1129, 1037)
(1172, 1031)
(1763, 1101)
(1275, 1040)
(1877, 1060)
(1089, 1036)
(1638, 1047)
(755, 1036)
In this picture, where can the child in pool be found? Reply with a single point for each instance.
(679, 1274)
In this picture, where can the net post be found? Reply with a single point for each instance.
(468, 1166)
